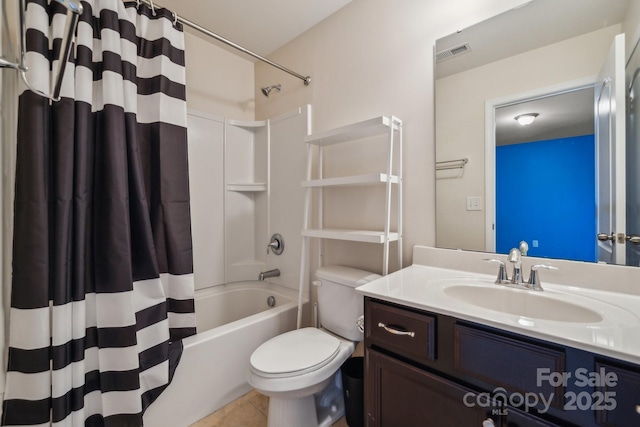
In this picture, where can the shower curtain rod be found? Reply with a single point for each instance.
(305, 79)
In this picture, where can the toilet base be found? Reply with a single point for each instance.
(300, 412)
(321, 409)
(330, 403)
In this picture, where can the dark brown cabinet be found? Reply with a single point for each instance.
(403, 395)
(507, 362)
(624, 390)
(427, 369)
(516, 418)
(404, 332)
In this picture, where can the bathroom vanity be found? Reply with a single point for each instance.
(439, 353)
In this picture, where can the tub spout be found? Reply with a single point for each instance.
(269, 273)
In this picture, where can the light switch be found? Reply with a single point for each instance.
(474, 203)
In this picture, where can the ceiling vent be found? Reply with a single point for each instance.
(454, 51)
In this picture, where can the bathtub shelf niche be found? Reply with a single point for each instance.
(247, 187)
(367, 159)
(246, 198)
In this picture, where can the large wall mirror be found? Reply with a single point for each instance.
(535, 132)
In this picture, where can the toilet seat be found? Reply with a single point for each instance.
(294, 353)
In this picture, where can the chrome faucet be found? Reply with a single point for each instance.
(524, 248)
(516, 280)
(502, 272)
(515, 258)
(534, 277)
(269, 273)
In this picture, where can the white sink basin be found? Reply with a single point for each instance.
(525, 303)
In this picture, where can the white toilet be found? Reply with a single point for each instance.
(293, 367)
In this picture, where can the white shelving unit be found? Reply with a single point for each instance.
(364, 236)
(355, 131)
(347, 181)
(392, 177)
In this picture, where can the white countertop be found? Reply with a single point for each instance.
(617, 335)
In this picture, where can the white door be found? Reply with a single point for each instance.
(633, 158)
(610, 155)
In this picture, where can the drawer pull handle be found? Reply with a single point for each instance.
(396, 331)
(638, 409)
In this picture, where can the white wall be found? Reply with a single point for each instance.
(630, 26)
(219, 82)
(375, 57)
(460, 122)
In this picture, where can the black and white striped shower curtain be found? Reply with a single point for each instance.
(102, 286)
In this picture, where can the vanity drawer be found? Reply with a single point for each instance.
(404, 332)
(626, 396)
(507, 362)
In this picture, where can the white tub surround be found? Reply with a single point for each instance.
(614, 333)
(245, 186)
(233, 320)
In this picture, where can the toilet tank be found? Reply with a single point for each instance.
(339, 306)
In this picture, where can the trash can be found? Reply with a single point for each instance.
(353, 391)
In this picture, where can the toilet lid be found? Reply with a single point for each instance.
(295, 352)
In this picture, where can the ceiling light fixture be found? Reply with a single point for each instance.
(526, 119)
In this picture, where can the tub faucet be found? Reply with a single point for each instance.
(269, 273)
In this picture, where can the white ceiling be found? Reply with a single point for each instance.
(258, 25)
(535, 24)
(264, 26)
(560, 116)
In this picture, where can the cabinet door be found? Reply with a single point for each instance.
(517, 418)
(398, 394)
(626, 394)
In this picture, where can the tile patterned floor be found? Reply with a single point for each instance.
(249, 410)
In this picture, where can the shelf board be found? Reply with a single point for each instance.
(249, 125)
(345, 181)
(247, 187)
(364, 129)
(364, 236)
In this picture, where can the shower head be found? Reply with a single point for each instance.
(267, 90)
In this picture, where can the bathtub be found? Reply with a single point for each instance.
(232, 321)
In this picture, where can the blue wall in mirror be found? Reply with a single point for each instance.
(546, 195)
